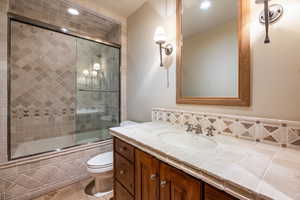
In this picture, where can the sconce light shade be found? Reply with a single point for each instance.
(160, 35)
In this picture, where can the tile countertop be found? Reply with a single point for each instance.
(242, 168)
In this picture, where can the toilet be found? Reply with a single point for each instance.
(101, 169)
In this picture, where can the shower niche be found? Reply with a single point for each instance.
(64, 90)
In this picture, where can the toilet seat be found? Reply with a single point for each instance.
(100, 163)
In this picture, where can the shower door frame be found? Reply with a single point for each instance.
(57, 29)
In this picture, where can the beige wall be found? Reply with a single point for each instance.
(210, 60)
(275, 67)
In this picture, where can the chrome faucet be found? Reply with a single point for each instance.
(197, 128)
(189, 127)
(210, 130)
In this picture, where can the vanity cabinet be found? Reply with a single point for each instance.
(212, 193)
(146, 176)
(177, 185)
(140, 176)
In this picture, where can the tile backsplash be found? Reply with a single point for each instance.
(271, 131)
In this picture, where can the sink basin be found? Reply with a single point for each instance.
(188, 141)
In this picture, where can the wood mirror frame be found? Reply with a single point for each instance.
(243, 98)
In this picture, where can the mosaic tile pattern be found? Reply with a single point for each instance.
(271, 131)
(25, 180)
(173, 118)
(227, 126)
(294, 136)
(37, 74)
(245, 129)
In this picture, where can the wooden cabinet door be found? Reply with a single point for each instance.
(176, 185)
(146, 176)
(212, 193)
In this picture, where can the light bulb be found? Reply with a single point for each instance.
(96, 66)
(205, 4)
(86, 72)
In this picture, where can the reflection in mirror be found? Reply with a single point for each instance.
(210, 51)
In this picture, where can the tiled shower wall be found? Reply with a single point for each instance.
(3, 80)
(15, 176)
(54, 12)
(37, 72)
(49, 15)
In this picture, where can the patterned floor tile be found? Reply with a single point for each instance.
(72, 192)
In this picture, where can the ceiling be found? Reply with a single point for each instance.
(121, 7)
(196, 20)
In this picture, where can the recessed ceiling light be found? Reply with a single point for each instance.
(64, 30)
(73, 11)
(205, 4)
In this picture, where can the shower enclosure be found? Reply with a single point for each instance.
(63, 90)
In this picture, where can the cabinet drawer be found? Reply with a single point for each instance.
(124, 172)
(121, 193)
(124, 149)
(211, 193)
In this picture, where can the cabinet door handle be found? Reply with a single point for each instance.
(153, 177)
(163, 183)
(122, 172)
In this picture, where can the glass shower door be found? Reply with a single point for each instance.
(98, 91)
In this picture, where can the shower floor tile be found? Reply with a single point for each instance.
(72, 192)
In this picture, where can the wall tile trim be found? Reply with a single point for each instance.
(277, 132)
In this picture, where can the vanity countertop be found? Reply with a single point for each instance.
(242, 168)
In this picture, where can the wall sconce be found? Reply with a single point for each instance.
(160, 38)
(269, 15)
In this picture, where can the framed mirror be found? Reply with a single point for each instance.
(213, 52)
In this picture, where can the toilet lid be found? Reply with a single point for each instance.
(105, 159)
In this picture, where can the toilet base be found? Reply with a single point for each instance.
(102, 194)
(103, 182)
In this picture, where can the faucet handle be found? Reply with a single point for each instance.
(198, 129)
(210, 130)
(189, 127)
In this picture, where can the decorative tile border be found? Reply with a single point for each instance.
(271, 131)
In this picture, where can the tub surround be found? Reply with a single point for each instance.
(34, 176)
(243, 168)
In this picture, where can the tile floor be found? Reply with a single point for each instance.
(72, 192)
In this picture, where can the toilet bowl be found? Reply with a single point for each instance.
(101, 169)
(100, 163)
